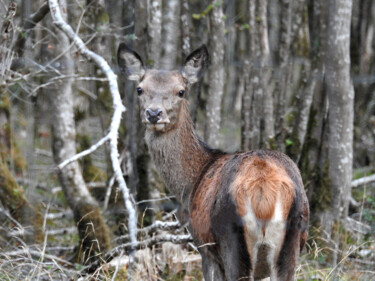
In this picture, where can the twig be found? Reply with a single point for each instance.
(62, 231)
(35, 253)
(119, 108)
(363, 181)
(30, 23)
(84, 153)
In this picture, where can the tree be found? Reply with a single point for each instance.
(92, 229)
(216, 75)
(341, 104)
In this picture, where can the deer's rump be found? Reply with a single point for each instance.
(246, 207)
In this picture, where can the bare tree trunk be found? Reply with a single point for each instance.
(185, 28)
(216, 76)
(92, 230)
(11, 194)
(250, 124)
(154, 30)
(269, 131)
(170, 34)
(283, 76)
(262, 131)
(341, 98)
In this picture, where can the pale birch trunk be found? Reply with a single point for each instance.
(341, 99)
(216, 76)
(92, 230)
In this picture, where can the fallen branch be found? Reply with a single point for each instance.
(147, 243)
(30, 252)
(357, 226)
(119, 108)
(157, 225)
(363, 181)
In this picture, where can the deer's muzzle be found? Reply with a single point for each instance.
(153, 115)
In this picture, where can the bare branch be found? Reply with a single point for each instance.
(30, 23)
(35, 253)
(84, 153)
(357, 226)
(363, 181)
(119, 108)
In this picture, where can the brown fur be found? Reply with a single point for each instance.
(203, 200)
(261, 181)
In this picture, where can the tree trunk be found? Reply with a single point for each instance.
(170, 34)
(154, 30)
(11, 194)
(216, 76)
(341, 98)
(92, 229)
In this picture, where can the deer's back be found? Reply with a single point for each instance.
(252, 197)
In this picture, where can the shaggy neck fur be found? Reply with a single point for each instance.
(179, 156)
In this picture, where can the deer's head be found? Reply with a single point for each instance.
(162, 93)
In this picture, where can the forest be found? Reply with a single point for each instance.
(81, 198)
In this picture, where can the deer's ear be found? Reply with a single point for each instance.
(130, 62)
(195, 64)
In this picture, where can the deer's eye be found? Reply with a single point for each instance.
(139, 90)
(181, 93)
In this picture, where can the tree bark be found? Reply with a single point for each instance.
(92, 229)
(216, 76)
(170, 35)
(154, 30)
(341, 99)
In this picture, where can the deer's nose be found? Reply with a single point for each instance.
(153, 115)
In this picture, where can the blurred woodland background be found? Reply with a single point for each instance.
(296, 76)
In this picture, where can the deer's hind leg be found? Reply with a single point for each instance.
(212, 270)
(228, 230)
(289, 254)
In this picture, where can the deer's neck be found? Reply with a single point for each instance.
(179, 156)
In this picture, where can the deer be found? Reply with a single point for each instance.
(247, 212)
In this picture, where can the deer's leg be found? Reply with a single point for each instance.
(288, 256)
(211, 269)
(235, 258)
(228, 230)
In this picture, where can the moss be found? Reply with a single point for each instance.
(9, 150)
(90, 172)
(92, 230)
(5, 104)
(104, 98)
(13, 199)
(79, 114)
(272, 143)
(322, 194)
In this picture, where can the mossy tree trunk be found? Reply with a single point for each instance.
(11, 194)
(13, 199)
(92, 229)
